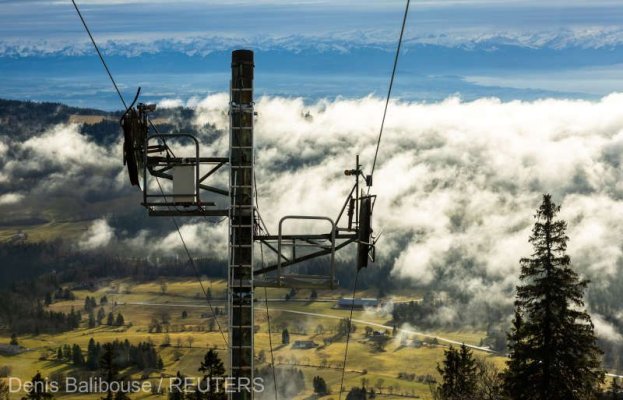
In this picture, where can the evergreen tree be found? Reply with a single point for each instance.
(357, 394)
(14, 341)
(553, 351)
(77, 357)
(92, 356)
(38, 389)
(67, 352)
(111, 319)
(212, 367)
(73, 319)
(120, 321)
(285, 336)
(92, 322)
(87, 304)
(459, 375)
(177, 391)
(320, 386)
(59, 354)
(101, 314)
(109, 367)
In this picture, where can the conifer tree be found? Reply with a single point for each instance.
(92, 322)
(459, 374)
(357, 393)
(320, 386)
(109, 367)
(77, 357)
(38, 389)
(285, 336)
(67, 352)
(177, 392)
(212, 368)
(553, 351)
(93, 355)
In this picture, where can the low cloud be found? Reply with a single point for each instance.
(99, 234)
(66, 146)
(457, 182)
(605, 330)
(170, 103)
(200, 238)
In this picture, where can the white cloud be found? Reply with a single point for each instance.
(10, 198)
(604, 329)
(200, 238)
(65, 145)
(99, 234)
(170, 103)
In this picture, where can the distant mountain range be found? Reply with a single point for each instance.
(608, 39)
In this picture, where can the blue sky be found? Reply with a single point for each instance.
(507, 49)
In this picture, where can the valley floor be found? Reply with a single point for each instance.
(306, 320)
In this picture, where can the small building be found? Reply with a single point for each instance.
(357, 304)
(304, 344)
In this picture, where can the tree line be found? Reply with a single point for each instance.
(141, 356)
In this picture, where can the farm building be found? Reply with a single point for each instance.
(304, 344)
(347, 302)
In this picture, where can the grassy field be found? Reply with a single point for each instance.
(45, 232)
(190, 339)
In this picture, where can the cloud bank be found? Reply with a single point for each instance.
(457, 182)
